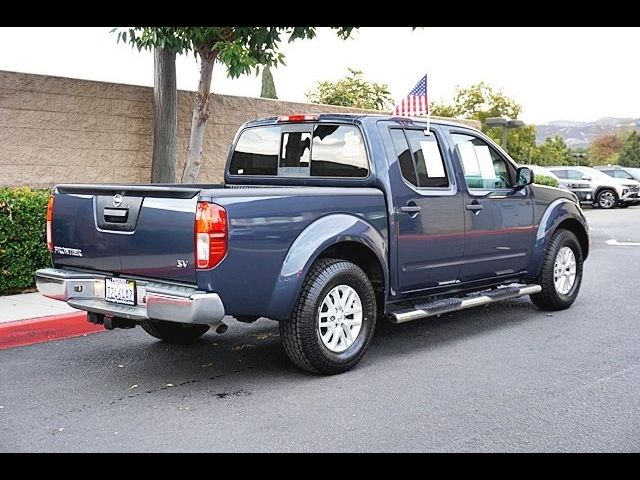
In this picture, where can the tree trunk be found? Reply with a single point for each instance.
(165, 117)
(268, 86)
(199, 118)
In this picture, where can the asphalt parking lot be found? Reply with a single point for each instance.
(506, 377)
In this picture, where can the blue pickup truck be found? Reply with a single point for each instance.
(325, 223)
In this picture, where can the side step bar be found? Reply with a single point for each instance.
(453, 304)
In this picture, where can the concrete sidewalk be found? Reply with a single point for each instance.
(30, 305)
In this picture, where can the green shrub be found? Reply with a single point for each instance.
(23, 239)
(544, 180)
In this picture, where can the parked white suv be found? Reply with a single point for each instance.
(607, 192)
(581, 188)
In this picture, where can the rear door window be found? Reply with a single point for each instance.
(420, 159)
(575, 175)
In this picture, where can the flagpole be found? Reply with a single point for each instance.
(428, 110)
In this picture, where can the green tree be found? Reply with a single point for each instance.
(352, 91)
(481, 101)
(630, 154)
(268, 89)
(554, 151)
(239, 49)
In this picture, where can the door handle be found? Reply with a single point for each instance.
(410, 209)
(474, 207)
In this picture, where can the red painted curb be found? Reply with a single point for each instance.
(45, 329)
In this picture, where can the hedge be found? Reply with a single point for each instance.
(545, 180)
(23, 239)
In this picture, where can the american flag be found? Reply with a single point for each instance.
(416, 102)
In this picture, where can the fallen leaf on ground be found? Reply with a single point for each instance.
(239, 348)
(261, 336)
(169, 385)
(61, 429)
(210, 364)
(120, 366)
(134, 386)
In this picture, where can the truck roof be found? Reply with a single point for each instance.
(359, 117)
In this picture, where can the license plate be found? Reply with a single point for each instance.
(120, 290)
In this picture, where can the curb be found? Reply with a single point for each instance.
(45, 329)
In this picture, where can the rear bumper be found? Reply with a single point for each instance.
(156, 300)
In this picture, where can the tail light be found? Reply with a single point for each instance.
(49, 219)
(211, 234)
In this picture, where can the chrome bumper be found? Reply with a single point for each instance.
(156, 300)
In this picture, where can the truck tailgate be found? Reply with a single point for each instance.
(145, 231)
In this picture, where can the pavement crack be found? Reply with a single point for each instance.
(235, 393)
(182, 384)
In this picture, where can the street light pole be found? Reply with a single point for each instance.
(505, 125)
(505, 137)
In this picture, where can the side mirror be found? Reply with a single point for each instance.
(524, 177)
(587, 178)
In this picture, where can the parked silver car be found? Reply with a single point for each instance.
(616, 171)
(607, 192)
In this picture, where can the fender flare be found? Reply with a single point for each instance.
(312, 241)
(557, 212)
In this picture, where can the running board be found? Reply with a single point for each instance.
(448, 305)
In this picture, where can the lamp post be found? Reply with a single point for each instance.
(505, 124)
(578, 156)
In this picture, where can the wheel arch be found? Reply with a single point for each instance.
(575, 227)
(561, 213)
(605, 187)
(340, 236)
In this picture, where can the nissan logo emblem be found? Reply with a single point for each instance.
(117, 200)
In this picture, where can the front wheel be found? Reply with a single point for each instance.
(607, 199)
(333, 320)
(173, 332)
(561, 273)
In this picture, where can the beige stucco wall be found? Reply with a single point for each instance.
(62, 130)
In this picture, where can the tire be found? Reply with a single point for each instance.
(309, 345)
(607, 199)
(173, 332)
(551, 297)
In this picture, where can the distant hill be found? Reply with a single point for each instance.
(581, 134)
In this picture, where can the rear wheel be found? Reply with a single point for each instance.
(173, 332)
(561, 273)
(607, 198)
(333, 320)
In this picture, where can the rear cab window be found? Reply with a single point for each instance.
(301, 150)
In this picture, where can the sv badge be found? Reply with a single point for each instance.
(182, 263)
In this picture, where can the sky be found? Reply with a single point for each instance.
(555, 73)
